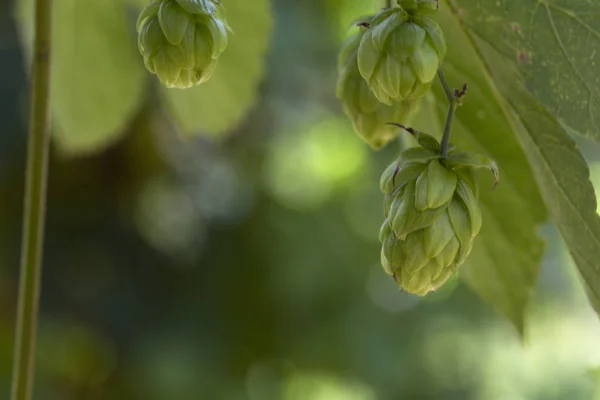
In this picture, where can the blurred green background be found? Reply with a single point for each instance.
(248, 267)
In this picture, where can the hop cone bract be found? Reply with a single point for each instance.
(401, 52)
(181, 40)
(432, 214)
(367, 114)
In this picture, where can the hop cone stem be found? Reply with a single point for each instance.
(454, 100)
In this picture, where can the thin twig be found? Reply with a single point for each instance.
(445, 143)
(454, 101)
(35, 207)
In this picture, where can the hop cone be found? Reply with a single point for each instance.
(367, 114)
(432, 214)
(401, 52)
(181, 40)
(419, 6)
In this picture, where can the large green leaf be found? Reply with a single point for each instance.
(97, 76)
(556, 46)
(220, 104)
(505, 260)
(560, 170)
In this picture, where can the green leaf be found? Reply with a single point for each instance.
(221, 103)
(556, 47)
(558, 167)
(504, 263)
(97, 74)
(561, 172)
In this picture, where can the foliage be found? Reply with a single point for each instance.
(492, 49)
(560, 170)
(221, 104)
(99, 79)
(505, 260)
(274, 230)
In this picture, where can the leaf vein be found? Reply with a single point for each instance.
(575, 16)
(566, 53)
(556, 182)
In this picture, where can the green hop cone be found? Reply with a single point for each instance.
(419, 7)
(401, 52)
(181, 40)
(431, 214)
(367, 114)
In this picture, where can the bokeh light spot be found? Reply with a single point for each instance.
(303, 170)
(325, 386)
(168, 218)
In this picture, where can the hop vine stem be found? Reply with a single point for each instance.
(34, 208)
(454, 101)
